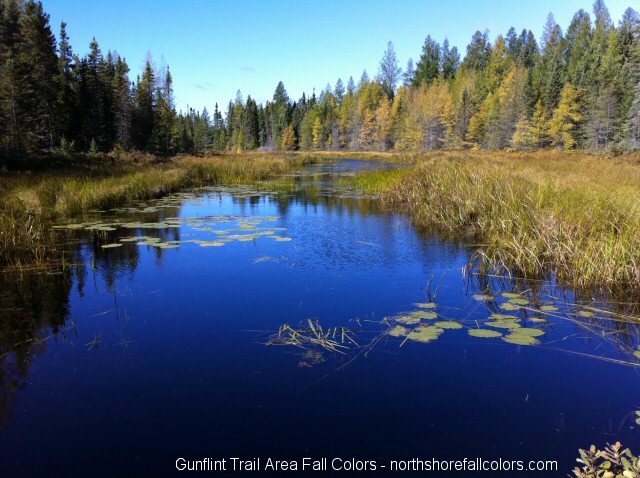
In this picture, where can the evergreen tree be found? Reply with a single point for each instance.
(478, 51)
(450, 61)
(38, 64)
(409, 74)
(563, 128)
(428, 67)
(389, 72)
(143, 118)
(632, 124)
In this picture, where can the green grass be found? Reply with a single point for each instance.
(577, 216)
(30, 201)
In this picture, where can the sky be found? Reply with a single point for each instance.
(215, 48)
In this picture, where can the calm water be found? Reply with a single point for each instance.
(138, 355)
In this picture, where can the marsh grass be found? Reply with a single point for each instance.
(576, 216)
(29, 201)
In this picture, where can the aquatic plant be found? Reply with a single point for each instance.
(612, 462)
(30, 202)
(529, 214)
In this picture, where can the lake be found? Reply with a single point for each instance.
(231, 322)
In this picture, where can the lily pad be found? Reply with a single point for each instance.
(483, 297)
(111, 246)
(519, 339)
(407, 320)
(530, 332)
(399, 331)
(422, 314)
(509, 306)
(549, 308)
(503, 324)
(519, 301)
(503, 317)
(637, 353)
(511, 295)
(211, 244)
(448, 324)
(538, 320)
(425, 334)
(586, 313)
(426, 305)
(484, 333)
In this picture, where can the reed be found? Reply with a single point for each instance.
(576, 216)
(30, 201)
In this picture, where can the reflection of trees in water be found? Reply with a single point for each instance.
(33, 306)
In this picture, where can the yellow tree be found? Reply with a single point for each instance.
(539, 126)
(367, 130)
(384, 123)
(317, 133)
(563, 128)
(289, 141)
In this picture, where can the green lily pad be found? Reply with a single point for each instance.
(422, 314)
(637, 353)
(511, 295)
(519, 339)
(111, 246)
(399, 331)
(509, 306)
(279, 238)
(211, 244)
(503, 324)
(426, 305)
(538, 320)
(483, 297)
(503, 317)
(586, 313)
(425, 334)
(448, 324)
(549, 308)
(519, 301)
(407, 320)
(484, 333)
(529, 332)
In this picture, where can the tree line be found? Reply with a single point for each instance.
(578, 88)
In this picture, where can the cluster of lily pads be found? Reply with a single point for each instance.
(423, 325)
(220, 230)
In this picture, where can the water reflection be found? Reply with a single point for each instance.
(158, 341)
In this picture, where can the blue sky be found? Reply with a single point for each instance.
(215, 48)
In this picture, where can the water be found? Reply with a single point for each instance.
(139, 355)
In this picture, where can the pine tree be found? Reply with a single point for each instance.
(317, 133)
(38, 65)
(428, 66)
(144, 108)
(389, 72)
(632, 124)
(478, 52)
(563, 128)
(539, 126)
(289, 142)
(450, 61)
(409, 73)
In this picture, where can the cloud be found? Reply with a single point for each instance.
(247, 69)
(206, 86)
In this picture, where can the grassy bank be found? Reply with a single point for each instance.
(532, 213)
(30, 201)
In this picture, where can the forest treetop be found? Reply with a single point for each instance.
(573, 87)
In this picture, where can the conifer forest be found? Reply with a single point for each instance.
(577, 86)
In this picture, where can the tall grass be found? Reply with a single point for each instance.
(534, 213)
(29, 202)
